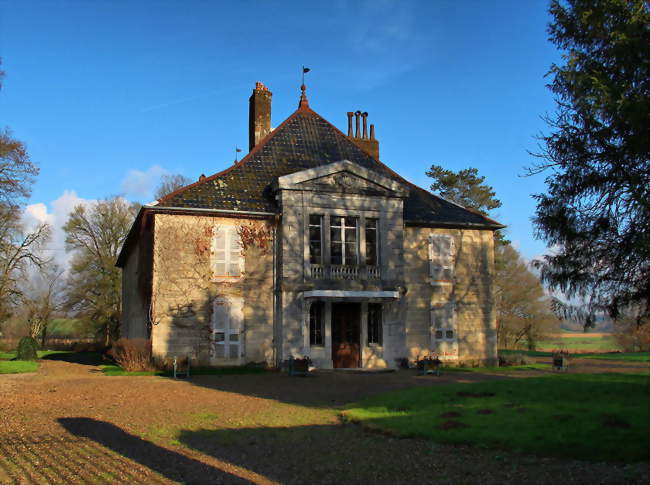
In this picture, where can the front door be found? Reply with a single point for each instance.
(346, 334)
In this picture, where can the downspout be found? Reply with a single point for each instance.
(275, 291)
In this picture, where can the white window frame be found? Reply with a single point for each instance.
(446, 348)
(441, 259)
(226, 327)
(343, 242)
(228, 232)
(445, 313)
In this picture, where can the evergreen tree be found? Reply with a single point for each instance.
(596, 212)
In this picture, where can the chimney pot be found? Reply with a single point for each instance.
(364, 115)
(372, 132)
(357, 114)
(350, 115)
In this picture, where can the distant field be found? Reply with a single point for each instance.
(577, 342)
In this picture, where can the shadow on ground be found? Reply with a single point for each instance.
(171, 465)
(83, 358)
(327, 388)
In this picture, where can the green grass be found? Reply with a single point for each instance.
(115, 370)
(531, 353)
(17, 366)
(499, 369)
(584, 416)
(626, 356)
(39, 353)
(581, 344)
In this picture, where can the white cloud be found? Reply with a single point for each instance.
(56, 216)
(140, 185)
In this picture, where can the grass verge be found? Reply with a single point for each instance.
(17, 366)
(115, 370)
(499, 369)
(40, 353)
(626, 356)
(584, 416)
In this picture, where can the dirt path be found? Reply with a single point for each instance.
(70, 424)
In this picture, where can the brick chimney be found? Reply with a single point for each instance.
(259, 114)
(361, 136)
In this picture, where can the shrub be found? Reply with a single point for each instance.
(132, 355)
(633, 338)
(515, 359)
(27, 348)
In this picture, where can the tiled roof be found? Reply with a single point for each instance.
(306, 140)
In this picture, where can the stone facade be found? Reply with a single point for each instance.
(310, 247)
(269, 302)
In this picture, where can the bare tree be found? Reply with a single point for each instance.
(42, 300)
(524, 311)
(19, 250)
(170, 183)
(95, 235)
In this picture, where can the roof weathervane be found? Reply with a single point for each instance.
(237, 150)
(303, 89)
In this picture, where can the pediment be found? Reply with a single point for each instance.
(345, 182)
(342, 177)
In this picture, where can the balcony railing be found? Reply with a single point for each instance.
(342, 272)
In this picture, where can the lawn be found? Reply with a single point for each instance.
(499, 369)
(626, 356)
(17, 366)
(581, 343)
(115, 370)
(39, 353)
(584, 416)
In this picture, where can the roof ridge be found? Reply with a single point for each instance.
(243, 161)
(402, 179)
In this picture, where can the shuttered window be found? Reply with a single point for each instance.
(441, 259)
(226, 326)
(443, 322)
(227, 257)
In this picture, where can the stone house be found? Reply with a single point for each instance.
(310, 246)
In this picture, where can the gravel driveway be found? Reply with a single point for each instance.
(69, 423)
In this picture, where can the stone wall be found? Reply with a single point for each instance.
(134, 308)
(184, 289)
(471, 293)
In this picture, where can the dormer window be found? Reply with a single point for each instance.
(343, 240)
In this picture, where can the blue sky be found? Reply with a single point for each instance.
(108, 95)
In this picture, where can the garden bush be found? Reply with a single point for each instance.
(132, 355)
(27, 348)
(515, 359)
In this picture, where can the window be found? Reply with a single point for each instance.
(443, 321)
(316, 320)
(316, 239)
(343, 232)
(226, 323)
(227, 252)
(441, 259)
(375, 328)
(372, 246)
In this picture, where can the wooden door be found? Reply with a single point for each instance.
(346, 334)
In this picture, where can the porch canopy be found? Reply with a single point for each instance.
(349, 294)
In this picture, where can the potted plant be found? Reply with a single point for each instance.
(561, 359)
(299, 367)
(429, 365)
